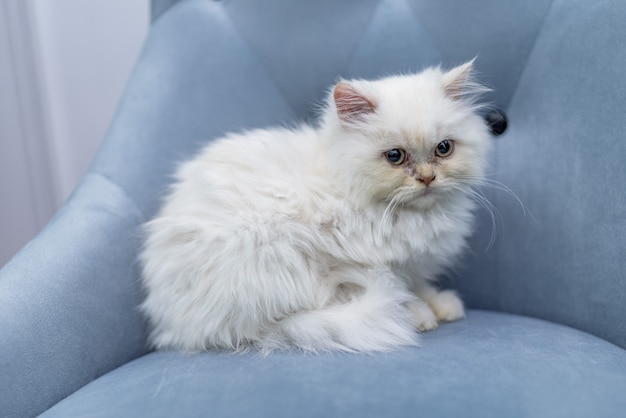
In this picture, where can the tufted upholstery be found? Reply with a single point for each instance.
(68, 300)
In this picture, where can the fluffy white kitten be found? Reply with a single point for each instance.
(322, 237)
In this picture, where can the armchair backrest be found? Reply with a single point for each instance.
(564, 157)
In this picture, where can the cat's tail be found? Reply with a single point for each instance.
(374, 318)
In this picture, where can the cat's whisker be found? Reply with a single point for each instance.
(496, 185)
(393, 204)
(493, 212)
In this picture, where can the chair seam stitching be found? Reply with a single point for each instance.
(257, 58)
(141, 214)
(530, 51)
(498, 269)
(360, 42)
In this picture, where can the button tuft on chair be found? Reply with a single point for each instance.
(497, 121)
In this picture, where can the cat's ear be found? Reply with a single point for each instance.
(456, 80)
(352, 105)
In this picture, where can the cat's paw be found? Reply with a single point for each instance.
(447, 306)
(423, 317)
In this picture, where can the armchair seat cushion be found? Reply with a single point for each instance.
(488, 365)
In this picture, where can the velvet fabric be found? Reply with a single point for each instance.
(564, 260)
(490, 365)
(68, 300)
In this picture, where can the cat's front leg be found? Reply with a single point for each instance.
(423, 316)
(445, 304)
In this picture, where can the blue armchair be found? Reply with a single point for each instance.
(546, 332)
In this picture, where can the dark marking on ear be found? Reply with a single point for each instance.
(351, 104)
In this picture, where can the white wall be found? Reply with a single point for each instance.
(20, 211)
(63, 67)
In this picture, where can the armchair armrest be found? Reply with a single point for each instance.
(68, 301)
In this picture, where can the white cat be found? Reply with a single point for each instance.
(324, 237)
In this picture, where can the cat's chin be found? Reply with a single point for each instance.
(429, 197)
(424, 198)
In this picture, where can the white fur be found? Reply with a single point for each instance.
(310, 237)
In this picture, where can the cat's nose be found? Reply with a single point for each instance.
(427, 179)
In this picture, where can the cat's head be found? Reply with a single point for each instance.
(414, 139)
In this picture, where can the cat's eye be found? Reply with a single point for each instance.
(444, 148)
(396, 156)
